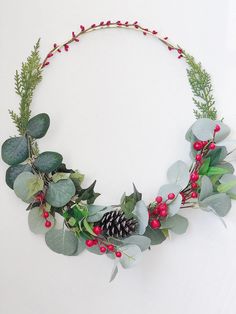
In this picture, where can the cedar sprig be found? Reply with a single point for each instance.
(200, 82)
(25, 84)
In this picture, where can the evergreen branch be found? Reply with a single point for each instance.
(25, 84)
(201, 86)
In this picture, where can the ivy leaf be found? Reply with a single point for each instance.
(26, 185)
(130, 201)
(139, 240)
(88, 194)
(48, 161)
(60, 193)
(130, 255)
(205, 166)
(178, 224)
(36, 221)
(141, 212)
(156, 236)
(178, 173)
(37, 126)
(15, 150)
(206, 188)
(13, 171)
(61, 241)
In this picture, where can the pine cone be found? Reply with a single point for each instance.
(115, 224)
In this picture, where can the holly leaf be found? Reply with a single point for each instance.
(129, 202)
(88, 194)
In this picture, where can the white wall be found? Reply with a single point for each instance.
(129, 98)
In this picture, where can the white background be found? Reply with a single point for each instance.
(119, 104)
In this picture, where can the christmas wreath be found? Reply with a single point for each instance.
(122, 231)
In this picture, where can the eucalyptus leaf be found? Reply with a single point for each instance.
(62, 241)
(178, 173)
(36, 221)
(60, 176)
(169, 188)
(220, 202)
(80, 247)
(13, 171)
(139, 240)
(141, 212)
(15, 150)
(175, 205)
(228, 184)
(95, 214)
(178, 224)
(37, 126)
(156, 236)
(60, 193)
(26, 185)
(206, 188)
(48, 161)
(130, 255)
(114, 272)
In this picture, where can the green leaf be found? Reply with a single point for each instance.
(13, 171)
(26, 185)
(60, 176)
(228, 184)
(81, 247)
(203, 129)
(48, 161)
(60, 193)
(205, 166)
(206, 188)
(77, 179)
(139, 240)
(78, 211)
(220, 202)
(97, 212)
(212, 171)
(141, 212)
(225, 187)
(36, 221)
(169, 188)
(62, 241)
(175, 205)
(130, 255)
(37, 126)
(15, 150)
(88, 227)
(178, 224)
(156, 236)
(88, 194)
(178, 173)
(217, 155)
(130, 201)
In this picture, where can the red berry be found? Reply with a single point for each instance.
(163, 213)
(156, 210)
(194, 185)
(194, 176)
(97, 230)
(198, 157)
(162, 206)
(194, 195)
(204, 143)
(40, 197)
(47, 224)
(89, 243)
(45, 214)
(171, 196)
(155, 224)
(212, 146)
(95, 242)
(158, 199)
(217, 128)
(118, 254)
(103, 249)
(198, 145)
(110, 247)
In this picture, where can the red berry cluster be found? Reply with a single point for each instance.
(40, 197)
(103, 245)
(160, 211)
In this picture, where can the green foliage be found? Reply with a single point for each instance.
(128, 202)
(25, 83)
(48, 161)
(87, 194)
(201, 85)
(60, 193)
(37, 126)
(13, 172)
(15, 150)
(36, 221)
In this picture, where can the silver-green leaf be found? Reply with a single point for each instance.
(48, 161)
(15, 150)
(60, 193)
(36, 221)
